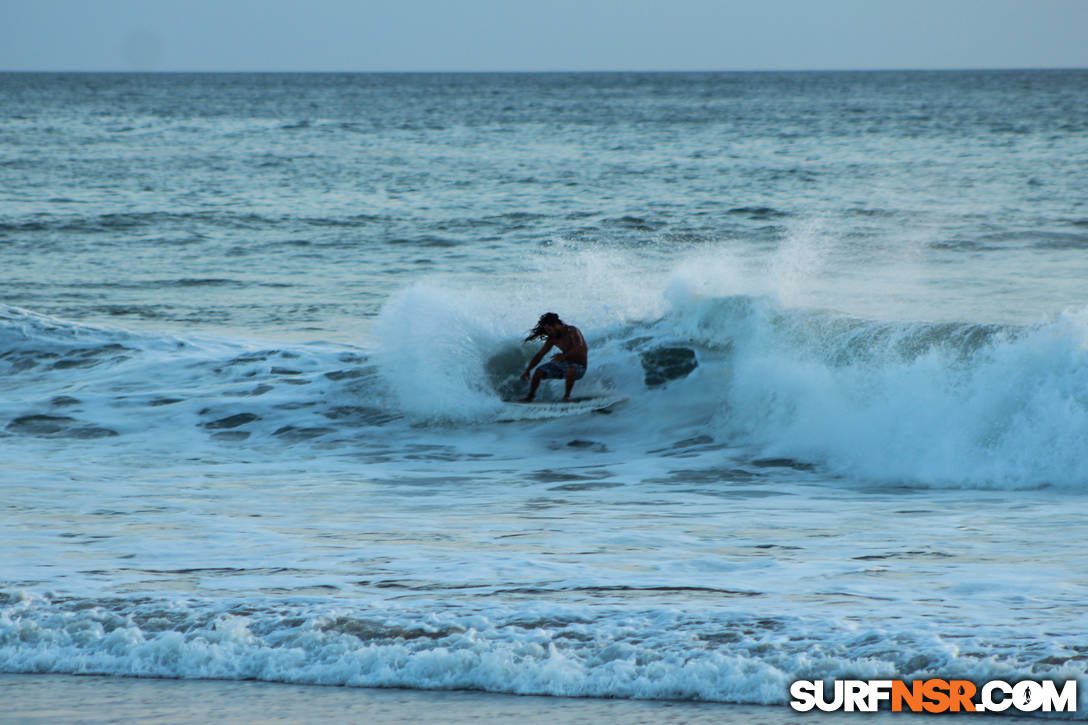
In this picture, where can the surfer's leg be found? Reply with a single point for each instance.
(570, 377)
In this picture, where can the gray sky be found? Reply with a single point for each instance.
(536, 35)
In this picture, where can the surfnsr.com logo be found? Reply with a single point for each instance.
(934, 695)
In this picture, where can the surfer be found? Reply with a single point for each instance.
(568, 365)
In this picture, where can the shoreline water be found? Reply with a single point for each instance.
(95, 699)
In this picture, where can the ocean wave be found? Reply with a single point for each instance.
(558, 650)
(917, 404)
(963, 405)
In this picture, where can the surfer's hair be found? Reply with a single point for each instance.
(546, 320)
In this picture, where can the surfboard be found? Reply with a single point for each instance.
(543, 410)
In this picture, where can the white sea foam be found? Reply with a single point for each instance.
(432, 344)
(936, 405)
(562, 651)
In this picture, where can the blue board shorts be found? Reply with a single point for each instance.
(558, 370)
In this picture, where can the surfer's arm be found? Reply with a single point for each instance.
(537, 358)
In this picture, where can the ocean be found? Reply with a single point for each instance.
(258, 331)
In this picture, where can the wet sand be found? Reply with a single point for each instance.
(41, 699)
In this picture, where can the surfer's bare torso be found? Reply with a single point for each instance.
(568, 339)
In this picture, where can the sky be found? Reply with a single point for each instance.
(540, 35)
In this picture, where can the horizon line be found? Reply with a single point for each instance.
(557, 71)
